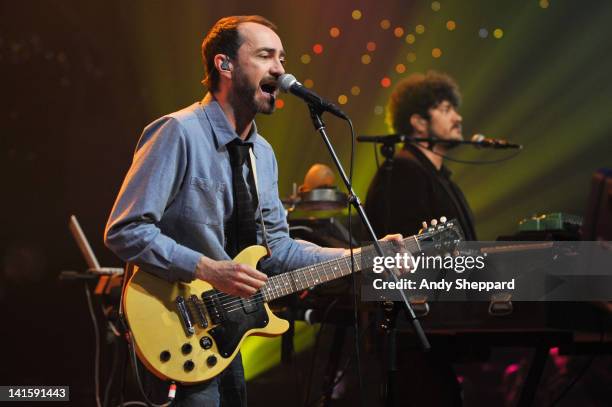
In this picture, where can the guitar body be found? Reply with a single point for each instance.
(190, 332)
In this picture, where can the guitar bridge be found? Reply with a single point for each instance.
(185, 315)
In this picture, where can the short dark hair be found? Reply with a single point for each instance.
(224, 38)
(417, 94)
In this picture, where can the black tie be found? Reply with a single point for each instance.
(242, 231)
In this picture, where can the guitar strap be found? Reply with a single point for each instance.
(253, 166)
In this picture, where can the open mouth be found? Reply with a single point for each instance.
(269, 88)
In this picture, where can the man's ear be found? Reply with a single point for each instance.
(418, 123)
(223, 65)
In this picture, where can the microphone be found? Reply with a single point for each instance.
(288, 83)
(481, 141)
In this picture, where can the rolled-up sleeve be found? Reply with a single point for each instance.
(152, 183)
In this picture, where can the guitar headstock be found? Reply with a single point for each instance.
(442, 235)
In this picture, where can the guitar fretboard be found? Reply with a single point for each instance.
(310, 276)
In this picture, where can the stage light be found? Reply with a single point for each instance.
(420, 29)
(305, 58)
(342, 99)
(400, 68)
(356, 14)
(410, 38)
(385, 24)
(366, 59)
(411, 57)
(398, 32)
(435, 6)
(317, 49)
(385, 82)
(309, 83)
(498, 33)
(355, 90)
(451, 25)
(334, 32)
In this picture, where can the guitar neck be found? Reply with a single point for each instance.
(306, 277)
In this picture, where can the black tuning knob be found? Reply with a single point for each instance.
(164, 356)
(188, 366)
(186, 349)
(211, 361)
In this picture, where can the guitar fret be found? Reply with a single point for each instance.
(310, 276)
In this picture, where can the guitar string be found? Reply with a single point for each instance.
(221, 295)
(252, 300)
(275, 290)
(259, 297)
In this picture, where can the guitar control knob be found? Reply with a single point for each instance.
(164, 356)
(206, 342)
(188, 366)
(211, 361)
(186, 349)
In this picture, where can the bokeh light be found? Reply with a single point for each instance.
(280, 103)
(410, 38)
(451, 25)
(366, 59)
(317, 49)
(400, 68)
(371, 46)
(483, 33)
(356, 14)
(411, 57)
(385, 24)
(498, 33)
(398, 32)
(355, 90)
(419, 29)
(309, 83)
(435, 6)
(544, 3)
(436, 52)
(305, 58)
(334, 32)
(385, 82)
(378, 110)
(342, 99)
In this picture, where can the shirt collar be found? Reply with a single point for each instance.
(222, 129)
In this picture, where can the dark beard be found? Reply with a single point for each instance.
(445, 146)
(243, 96)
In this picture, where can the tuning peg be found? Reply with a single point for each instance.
(434, 222)
(424, 225)
(443, 219)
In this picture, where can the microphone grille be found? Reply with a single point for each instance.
(477, 138)
(286, 81)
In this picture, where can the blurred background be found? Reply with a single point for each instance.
(81, 79)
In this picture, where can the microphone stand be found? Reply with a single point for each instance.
(388, 306)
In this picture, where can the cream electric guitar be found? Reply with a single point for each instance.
(190, 332)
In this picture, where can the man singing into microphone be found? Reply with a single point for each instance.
(419, 185)
(192, 198)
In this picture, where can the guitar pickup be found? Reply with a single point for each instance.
(185, 315)
(198, 307)
(213, 306)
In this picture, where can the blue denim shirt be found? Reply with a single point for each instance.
(177, 197)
